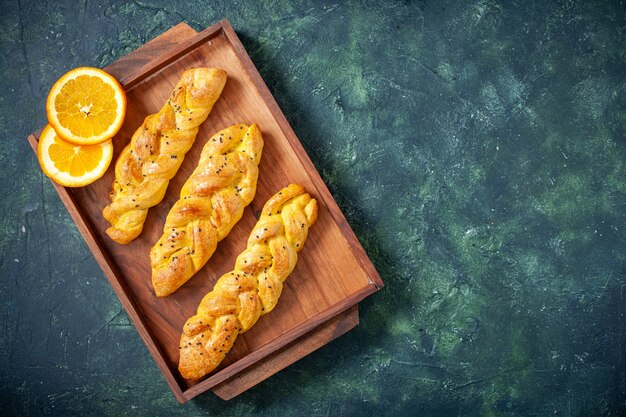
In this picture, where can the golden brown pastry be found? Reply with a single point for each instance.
(211, 202)
(252, 289)
(156, 151)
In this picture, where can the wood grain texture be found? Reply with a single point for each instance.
(149, 51)
(333, 272)
(289, 354)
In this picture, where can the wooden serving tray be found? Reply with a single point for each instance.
(333, 274)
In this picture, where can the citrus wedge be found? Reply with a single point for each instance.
(86, 106)
(72, 165)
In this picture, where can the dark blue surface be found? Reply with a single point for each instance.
(477, 149)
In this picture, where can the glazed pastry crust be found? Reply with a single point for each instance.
(157, 149)
(253, 287)
(211, 203)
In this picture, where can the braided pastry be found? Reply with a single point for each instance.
(156, 151)
(211, 202)
(252, 289)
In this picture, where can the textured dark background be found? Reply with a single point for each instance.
(477, 148)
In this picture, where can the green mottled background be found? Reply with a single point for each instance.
(476, 147)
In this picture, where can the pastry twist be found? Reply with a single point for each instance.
(156, 151)
(211, 202)
(252, 289)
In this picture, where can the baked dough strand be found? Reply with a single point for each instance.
(211, 203)
(252, 289)
(156, 151)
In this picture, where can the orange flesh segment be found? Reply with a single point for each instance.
(66, 158)
(86, 106)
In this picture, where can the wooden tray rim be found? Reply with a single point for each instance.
(112, 274)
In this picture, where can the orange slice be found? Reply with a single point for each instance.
(86, 106)
(72, 165)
